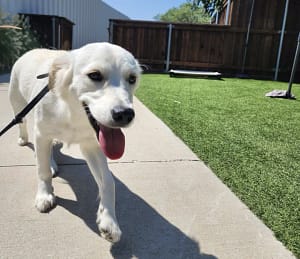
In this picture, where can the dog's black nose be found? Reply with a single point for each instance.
(122, 115)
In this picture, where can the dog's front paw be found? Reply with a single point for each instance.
(45, 202)
(22, 141)
(108, 227)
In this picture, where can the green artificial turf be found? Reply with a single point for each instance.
(250, 141)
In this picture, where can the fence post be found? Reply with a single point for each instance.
(227, 12)
(110, 31)
(170, 26)
(281, 39)
(247, 37)
(59, 35)
(289, 91)
(53, 32)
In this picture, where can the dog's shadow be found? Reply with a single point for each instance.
(146, 234)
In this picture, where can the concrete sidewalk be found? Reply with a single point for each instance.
(169, 204)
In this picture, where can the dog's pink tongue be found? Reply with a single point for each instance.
(112, 142)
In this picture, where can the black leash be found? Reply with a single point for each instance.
(20, 116)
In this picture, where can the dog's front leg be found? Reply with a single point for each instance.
(107, 222)
(45, 199)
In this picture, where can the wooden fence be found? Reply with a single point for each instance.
(162, 46)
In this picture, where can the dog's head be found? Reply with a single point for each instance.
(101, 76)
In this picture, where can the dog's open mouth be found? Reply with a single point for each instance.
(111, 140)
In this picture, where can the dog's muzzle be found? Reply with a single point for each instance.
(111, 139)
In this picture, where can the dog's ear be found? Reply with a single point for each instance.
(61, 70)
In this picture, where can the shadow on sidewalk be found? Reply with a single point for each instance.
(146, 234)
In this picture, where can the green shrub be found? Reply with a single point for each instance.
(13, 42)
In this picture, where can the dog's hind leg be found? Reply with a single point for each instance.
(45, 199)
(18, 102)
(56, 146)
(23, 134)
(54, 167)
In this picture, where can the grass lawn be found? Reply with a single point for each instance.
(250, 141)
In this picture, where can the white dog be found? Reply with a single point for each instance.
(92, 84)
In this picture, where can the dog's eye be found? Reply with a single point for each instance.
(132, 79)
(95, 76)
